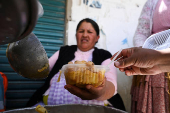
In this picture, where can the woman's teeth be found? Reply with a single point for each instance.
(84, 40)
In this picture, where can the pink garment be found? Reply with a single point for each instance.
(161, 17)
(145, 23)
(151, 95)
(52, 60)
(58, 95)
(111, 75)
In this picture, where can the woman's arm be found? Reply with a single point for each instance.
(140, 61)
(107, 92)
(143, 30)
(164, 60)
(111, 81)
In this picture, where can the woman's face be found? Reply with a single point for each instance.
(86, 36)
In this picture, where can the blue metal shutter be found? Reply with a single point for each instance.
(50, 30)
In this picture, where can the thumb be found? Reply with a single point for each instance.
(97, 90)
(125, 63)
(92, 89)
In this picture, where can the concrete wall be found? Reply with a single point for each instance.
(117, 20)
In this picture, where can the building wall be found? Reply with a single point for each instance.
(117, 20)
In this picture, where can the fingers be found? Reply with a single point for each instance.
(128, 71)
(123, 69)
(138, 61)
(125, 53)
(83, 94)
(120, 55)
(96, 90)
(150, 71)
(138, 71)
(89, 93)
(115, 55)
(132, 70)
(127, 62)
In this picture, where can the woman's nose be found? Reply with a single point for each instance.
(85, 34)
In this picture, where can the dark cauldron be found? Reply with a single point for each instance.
(17, 19)
(28, 57)
(74, 108)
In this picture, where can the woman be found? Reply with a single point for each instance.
(54, 93)
(149, 93)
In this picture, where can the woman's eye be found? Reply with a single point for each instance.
(80, 31)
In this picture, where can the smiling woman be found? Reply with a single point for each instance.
(54, 93)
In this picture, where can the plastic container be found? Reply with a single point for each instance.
(81, 74)
(158, 41)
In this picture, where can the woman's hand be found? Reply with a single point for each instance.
(140, 61)
(90, 92)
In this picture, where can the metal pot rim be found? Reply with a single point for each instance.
(66, 105)
(33, 8)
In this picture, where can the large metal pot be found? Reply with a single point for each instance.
(72, 108)
(28, 57)
(17, 19)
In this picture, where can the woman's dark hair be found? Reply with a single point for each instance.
(93, 23)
